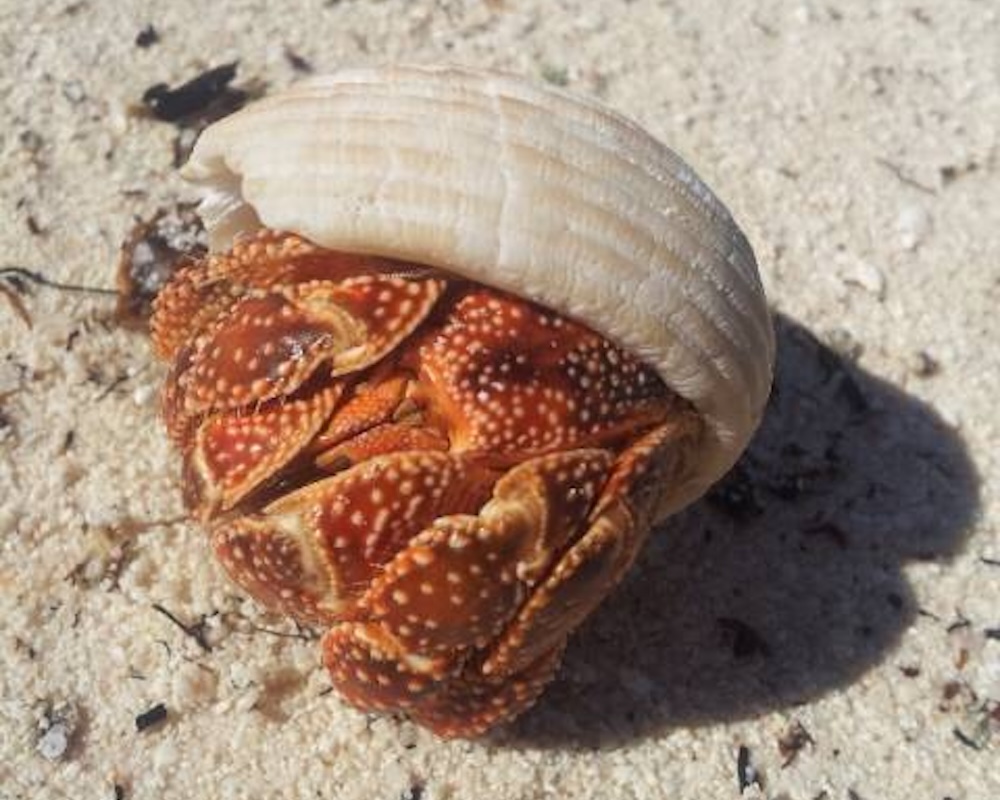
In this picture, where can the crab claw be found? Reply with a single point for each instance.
(593, 565)
(454, 587)
(234, 452)
(509, 380)
(337, 533)
(268, 344)
(201, 293)
(468, 706)
(372, 670)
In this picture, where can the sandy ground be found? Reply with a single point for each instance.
(825, 626)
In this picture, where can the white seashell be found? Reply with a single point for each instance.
(526, 188)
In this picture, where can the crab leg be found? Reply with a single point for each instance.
(234, 452)
(201, 293)
(617, 528)
(458, 583)
(467, 623)
(312, 553)
(268, 344)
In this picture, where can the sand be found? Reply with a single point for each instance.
(824, 626)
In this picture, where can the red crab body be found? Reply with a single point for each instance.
(448, 477)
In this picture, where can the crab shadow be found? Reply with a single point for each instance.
(787, 581)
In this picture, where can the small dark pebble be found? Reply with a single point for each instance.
(734, 495)
(204, 98)
(925, 365)
(147, 37)
(746, 775)
(958, 624)
(297, 62)
(992, 633)
(792, 741)
(154, 250)
(746, 642)
(153, 716)
(951, 689)
(910, 672)
(415, 792)
(119, 792)
(31, 141)
(965, 739)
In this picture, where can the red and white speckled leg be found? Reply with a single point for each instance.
(617, 527)
(313, 552)
(454, 588)
(233, 452)
(269, 343)
(469, 705)
(468, 622)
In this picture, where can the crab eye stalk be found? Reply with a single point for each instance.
(461, 343)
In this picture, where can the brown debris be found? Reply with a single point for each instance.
(296, 62)
(792, 741)
(194, 105)
(154, 250)
(203, 99)
(924, 365)
(16, 303)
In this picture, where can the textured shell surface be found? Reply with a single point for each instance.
(525, 188)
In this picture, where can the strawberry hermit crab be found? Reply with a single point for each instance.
(462, 342)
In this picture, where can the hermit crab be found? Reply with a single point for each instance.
(462, 341)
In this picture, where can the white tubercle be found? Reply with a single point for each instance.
(547, 195)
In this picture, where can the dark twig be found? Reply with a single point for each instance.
(15, 273)
(896, 170)
(196, 630)
(304, 635)
(118, 381)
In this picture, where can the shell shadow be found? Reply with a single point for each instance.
(787, 581)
